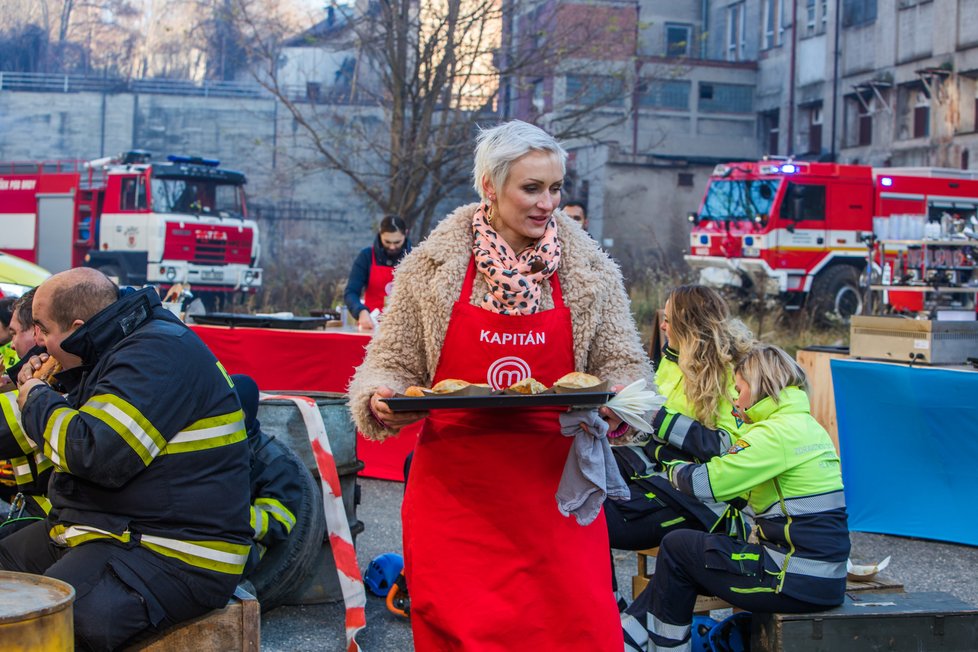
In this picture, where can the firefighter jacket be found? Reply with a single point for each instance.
(276, 492)
(678, 436)
(31, 469)
(788, 468)
(148, 446)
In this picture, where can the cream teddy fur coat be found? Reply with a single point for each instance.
(405, 349)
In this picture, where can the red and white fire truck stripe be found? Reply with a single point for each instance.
(337, 526)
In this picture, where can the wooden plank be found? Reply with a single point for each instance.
(235, 627)
(817, 365)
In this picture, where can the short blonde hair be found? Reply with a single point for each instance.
(499, 147)
(768, 370)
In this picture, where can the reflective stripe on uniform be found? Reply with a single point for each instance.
(127, 422)
(23, 473)
(211, 432)
(56, 435)
(259, 523)
(218, 556)
(805, 505)
(42, 502)
(680, 428)
(832, 570)
(11, 414)
(635, 634)
(700, 481)
(73, 535)
(278, 511)
(668, 631)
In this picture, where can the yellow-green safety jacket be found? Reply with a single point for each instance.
(787, 468)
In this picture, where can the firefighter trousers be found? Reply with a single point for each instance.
(696, 563)
(121, 592)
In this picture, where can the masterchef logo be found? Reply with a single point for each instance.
(507, 371)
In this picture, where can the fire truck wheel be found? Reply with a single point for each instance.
(836, 295)
(283, 567)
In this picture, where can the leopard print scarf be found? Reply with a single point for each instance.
(514, 278)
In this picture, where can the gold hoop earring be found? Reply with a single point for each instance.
(490, 214)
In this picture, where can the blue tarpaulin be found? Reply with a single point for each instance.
(908, 438)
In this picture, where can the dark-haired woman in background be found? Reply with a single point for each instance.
(372, 275)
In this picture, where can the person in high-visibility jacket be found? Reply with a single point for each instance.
(28, 465)
(695, 375)
(150, 499)
(372, 275)
(787, 467)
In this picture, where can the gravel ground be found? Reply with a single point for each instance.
(919, 564)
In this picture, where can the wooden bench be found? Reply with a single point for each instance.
(706, 603)
(235, 627)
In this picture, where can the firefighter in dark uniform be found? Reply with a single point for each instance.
(276, 492)
(149, 518)
(787, 466)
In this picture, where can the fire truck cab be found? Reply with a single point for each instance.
(802, 230)
(183, 220)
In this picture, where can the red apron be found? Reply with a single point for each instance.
(378, 285)
(491, 563)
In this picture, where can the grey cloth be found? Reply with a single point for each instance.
(590, 472)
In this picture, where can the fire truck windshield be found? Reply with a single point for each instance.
(739, 200)
(197, 197)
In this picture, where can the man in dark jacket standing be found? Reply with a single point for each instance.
(150, 498)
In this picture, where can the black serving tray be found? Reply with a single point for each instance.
(501, 400)
(256, 321)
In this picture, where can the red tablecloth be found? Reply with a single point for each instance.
(307, 361)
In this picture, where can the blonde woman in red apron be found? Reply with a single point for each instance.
(501, 291)
(372, 275)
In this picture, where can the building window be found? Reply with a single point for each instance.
(865, 133)
(664, 94)
(313, 91)
(811, 11)
(921, 115)
(773, 24)
(815, 130)
(770, 131)
(685, 179)
(736, 33)
(678, 39)
(858, 12)
(595, 90)
(726, 98)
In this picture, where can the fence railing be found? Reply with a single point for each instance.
(52, 83)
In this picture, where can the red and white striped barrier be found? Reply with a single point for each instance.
(337, 527)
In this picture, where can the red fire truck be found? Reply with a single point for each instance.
(801, 230)
(179, 221)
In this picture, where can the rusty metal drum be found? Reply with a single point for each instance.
(35, 613)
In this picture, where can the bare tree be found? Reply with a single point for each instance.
(399, 118)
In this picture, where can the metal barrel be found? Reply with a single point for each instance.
(35, 613)
(280, 418)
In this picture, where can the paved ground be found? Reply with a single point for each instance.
(920, 565)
